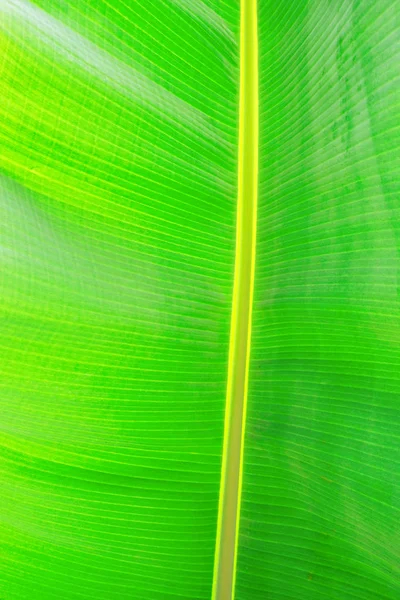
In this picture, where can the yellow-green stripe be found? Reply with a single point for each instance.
(239, 350)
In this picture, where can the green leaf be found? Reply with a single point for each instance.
(159, 160)
(320, 505)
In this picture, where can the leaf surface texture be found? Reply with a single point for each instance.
(119, 133)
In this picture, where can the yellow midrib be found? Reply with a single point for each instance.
(242, 301)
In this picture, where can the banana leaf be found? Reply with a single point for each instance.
(200, 383)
